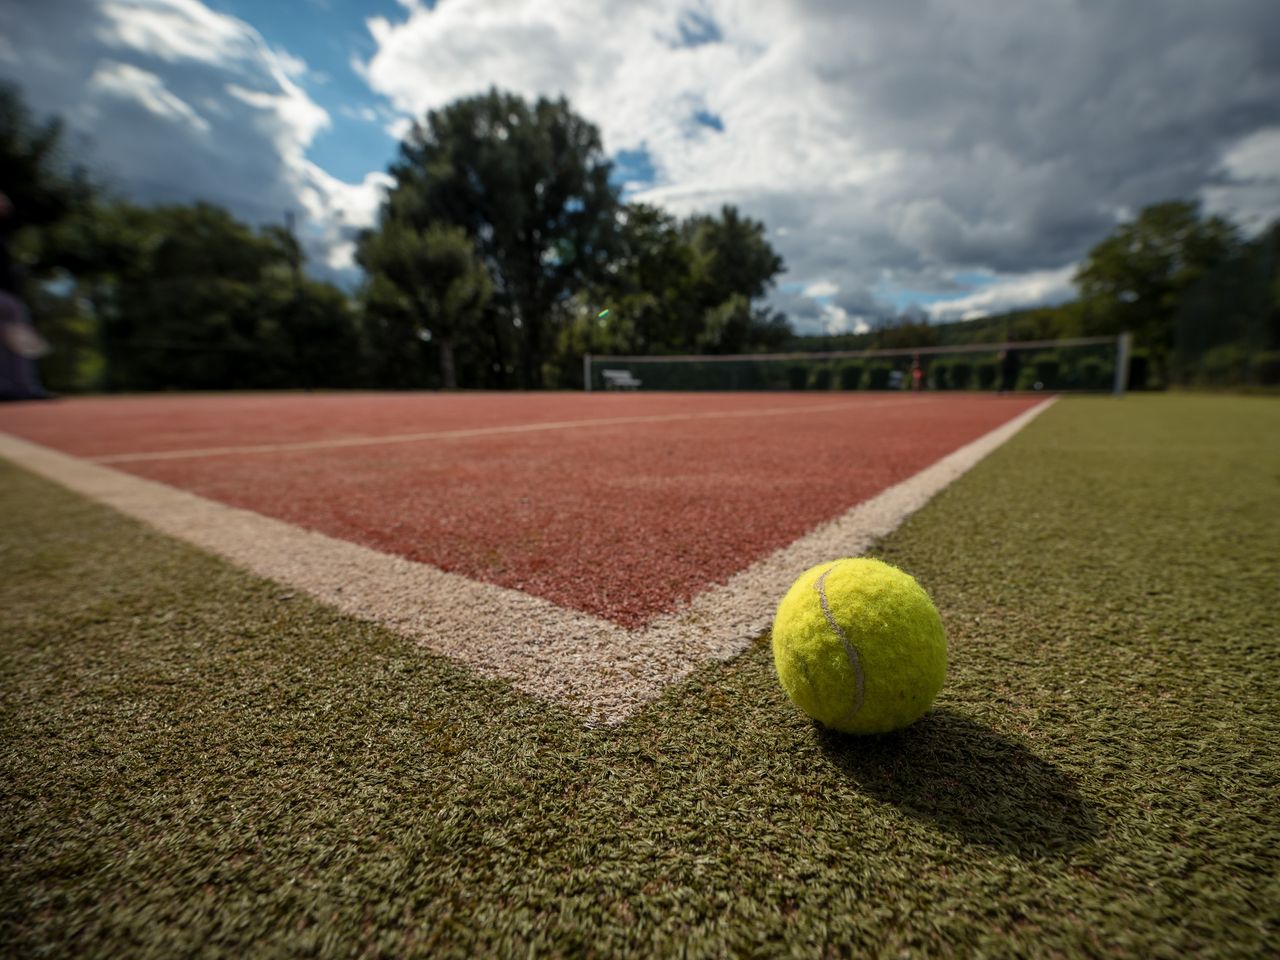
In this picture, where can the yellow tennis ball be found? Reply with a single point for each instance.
(859, 646)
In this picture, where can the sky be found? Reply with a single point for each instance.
(944, 159)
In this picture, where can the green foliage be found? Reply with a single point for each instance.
(1135, 278)
(529, 183)
(960, 375)
(68, 324)
(1232, 311)
(649, 282)
(1046, 367)
(850, 376)
(499, 242)
(1094, 374)
(1266, 369)
(878, 376)
(439, 280)
(821, 378)
(398, 357)
(320, 334)
(34, 172)
(192, 307)
(733, 264)
(905, 333)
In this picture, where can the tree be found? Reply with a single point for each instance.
(1227, 325)
(439, 277)
(391, 328)
(1134, 279)
(735, 256)
(189, 297)
(530, 185)
(732, 264)
(43, 187)
(647, 285)
(313, 335)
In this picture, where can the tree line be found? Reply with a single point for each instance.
(1202, 302)
(503, 252)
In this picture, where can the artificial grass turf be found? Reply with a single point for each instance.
(195, 761)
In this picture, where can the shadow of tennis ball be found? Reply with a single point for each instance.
(970, 780)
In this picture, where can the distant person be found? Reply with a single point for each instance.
(20, 345)
(917, 375)
(1009, 364)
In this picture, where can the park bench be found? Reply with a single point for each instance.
(619, 380)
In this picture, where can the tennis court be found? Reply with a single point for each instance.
(256, 722)
(623, 507)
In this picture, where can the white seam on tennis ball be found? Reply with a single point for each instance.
(849, 649)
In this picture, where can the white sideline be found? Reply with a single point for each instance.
(600, 670)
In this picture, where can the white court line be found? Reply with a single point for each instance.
(340, 442)
(600, 670)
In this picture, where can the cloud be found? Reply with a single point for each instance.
(1008, 293)
(821, 288)
(889, 148)
(145, 89)
(399, 128)
(888, 145)
(1248, 188)
(179, 103)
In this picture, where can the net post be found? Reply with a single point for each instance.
(1124, 347)
(586, 372)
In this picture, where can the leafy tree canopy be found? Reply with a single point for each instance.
(530, 184)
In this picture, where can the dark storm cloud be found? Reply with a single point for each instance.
(1025, 129)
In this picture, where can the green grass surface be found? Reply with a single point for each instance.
(194, 761)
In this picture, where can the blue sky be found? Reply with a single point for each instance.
(327, 34)
(959, 158)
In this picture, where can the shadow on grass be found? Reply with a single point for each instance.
(969, 780)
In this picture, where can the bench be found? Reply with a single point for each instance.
(619, 380)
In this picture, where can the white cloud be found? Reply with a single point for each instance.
(888, 147)
(342, 256)
(176, 30)
(184, 103)
(367, 114)
(146, 89)
(399, 128)
(821, 288)
(1008, 293)
(1250, 191)
(835, 319)
(900, 142)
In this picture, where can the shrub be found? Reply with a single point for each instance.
(878, 378)
(1266, 369)
(987, 373)
(1046, 369)
(1093, 374)
(821, 378)
(797, 377)
(850, 377)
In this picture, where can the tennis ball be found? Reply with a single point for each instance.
(859, 646)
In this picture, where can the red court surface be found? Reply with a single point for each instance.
(625, 519)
